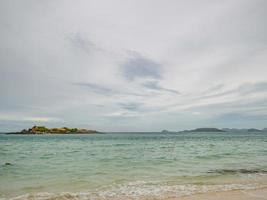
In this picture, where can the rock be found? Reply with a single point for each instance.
(7, 163)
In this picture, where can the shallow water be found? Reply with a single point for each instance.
(136, 165)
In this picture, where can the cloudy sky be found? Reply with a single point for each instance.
(133, 65)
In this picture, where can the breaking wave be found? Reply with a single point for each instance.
(139, 190)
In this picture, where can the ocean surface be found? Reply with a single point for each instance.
(130, 165)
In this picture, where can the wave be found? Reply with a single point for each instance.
(139, 190)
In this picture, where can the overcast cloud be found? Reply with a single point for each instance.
(139, 65)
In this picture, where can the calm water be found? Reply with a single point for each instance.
(119, 166)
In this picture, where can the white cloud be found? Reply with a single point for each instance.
(8, 117)
(89, 63)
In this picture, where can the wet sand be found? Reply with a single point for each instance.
(252, 194)
(258, 194)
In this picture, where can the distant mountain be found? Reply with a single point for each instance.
(205, 130)
(243, 130)
(234, 129)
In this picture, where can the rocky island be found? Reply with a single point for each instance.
(35, 130)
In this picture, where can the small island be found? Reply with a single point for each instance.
(40, 130)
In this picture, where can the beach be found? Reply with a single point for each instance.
(253, 194)
(133, 100)
(230, 195)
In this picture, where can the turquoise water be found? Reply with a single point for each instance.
(136, 165)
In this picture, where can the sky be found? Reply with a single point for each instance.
(133, 65)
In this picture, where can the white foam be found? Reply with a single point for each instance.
(139, 190)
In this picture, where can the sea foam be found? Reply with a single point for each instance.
(139, 190)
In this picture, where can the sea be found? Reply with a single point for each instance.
(130, 165)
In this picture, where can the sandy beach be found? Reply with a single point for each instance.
(133, 100)
(257, 194)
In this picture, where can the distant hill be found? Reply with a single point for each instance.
(205, 130)
(244, 130)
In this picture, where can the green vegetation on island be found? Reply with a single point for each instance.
(63, 130)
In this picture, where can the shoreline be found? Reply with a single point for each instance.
(249, 194)
(237, 194)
